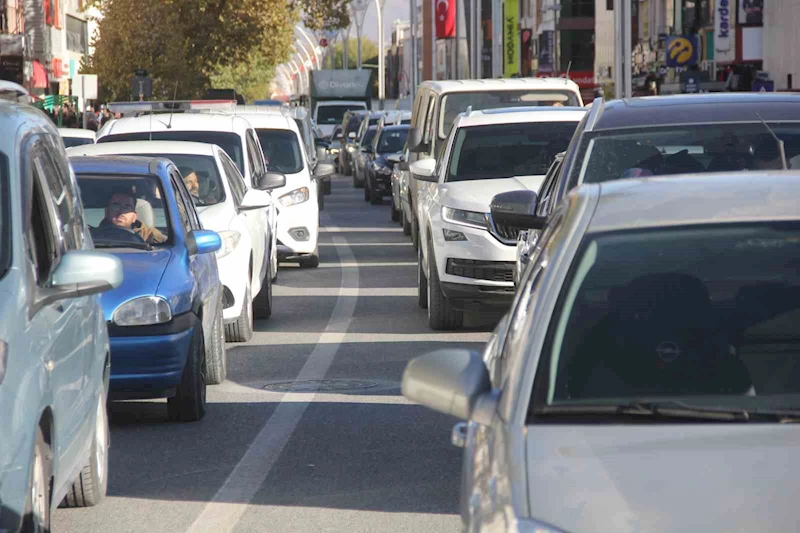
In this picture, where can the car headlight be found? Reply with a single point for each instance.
(230, 240)
(383, 170)
(297, 196)
(472, 219)
(333, 151)
(351, 148)
(143, 311)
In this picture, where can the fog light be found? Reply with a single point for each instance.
(299, 234)
(453, 236)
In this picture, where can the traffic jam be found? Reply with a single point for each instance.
(505, 309)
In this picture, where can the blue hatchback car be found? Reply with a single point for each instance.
(165, 320)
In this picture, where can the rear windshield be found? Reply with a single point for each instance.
(507, 150)
(281, 150)
(368, 136)
(665, 150)
(456, 103)
(69, 142)
(201, 176)
(353, 124)
(392, 141)
(698, 314)
(230, 142)
(333, 114)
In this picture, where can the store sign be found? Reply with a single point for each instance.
(511, 38)
(546, 49)
(682, 51)
(725, 31)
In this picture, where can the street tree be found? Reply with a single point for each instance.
(324, 14)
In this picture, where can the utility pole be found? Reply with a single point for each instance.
(414, 78)
(381, 56)
(623, 73)
(359, 10)
(345, 47)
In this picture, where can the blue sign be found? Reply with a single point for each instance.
(764, 86)
(682, 51)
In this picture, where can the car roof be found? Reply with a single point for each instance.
(695, 109)
(120, 164)
(520, 115)
(144, 147)
(694, 199)
(340, 102)
(274, 121)
(397, 127)
(25, 117)
(504, 84)
(179, 121)
(77, 132)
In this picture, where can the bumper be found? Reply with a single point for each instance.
(147, 361)
(479, 259)
(14, 492)
(233, 270)
(290, 221)
(381, 183)
(477, 297)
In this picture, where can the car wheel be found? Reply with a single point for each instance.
(441, 315)
(375, 197)
(189, 402)
(216, 357)
(366, 189)
(262, 303)
(242, 329)
(414, 232)
(422, 283)
(37, 508)
(328, 187)
(355, 182)
(395, 213)
(92, 483)
(310, 261)
(321, 196)
(273, 263)
(404, 222)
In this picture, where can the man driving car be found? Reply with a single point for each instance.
(121, 213)
(192, 181)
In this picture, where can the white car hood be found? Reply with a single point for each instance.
(476, 195)
(663, 478)
(215, 217)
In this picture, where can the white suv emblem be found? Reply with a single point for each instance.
(668, 351)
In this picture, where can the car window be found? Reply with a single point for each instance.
(281, 150)
(546, 198)
(235, 179)
(428, 130)
(333, 114)
(366, 140)
(187, 206)
(507, 150)
(43, 242)
(201, 176)
(699, 314)
(69, 142)
(392, 141)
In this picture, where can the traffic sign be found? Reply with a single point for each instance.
(323, 42)
(690, 85)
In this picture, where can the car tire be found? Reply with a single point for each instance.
(242, 329)
(262, 303)
(273, 263)
(422, 283)
(321, 197)
(216, 356)
(414, 232)
(355, 182)
(189, 402)
(310, 261)
(37, 507)
(366, 190)
(404, 222)
(328, 188)
(441, 315)
(92, 484)
(375, 197)
(394, 212)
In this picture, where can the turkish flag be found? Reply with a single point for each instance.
(445, 13)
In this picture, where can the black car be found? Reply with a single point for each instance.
(351, 123)
(389, 140)
(661, 136)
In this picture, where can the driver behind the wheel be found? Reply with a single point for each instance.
(121, 213)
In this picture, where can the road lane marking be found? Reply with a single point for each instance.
(278, 290)
(223, 512)
(368, 265)
(351, 244)
(299, 338)
(335, 229)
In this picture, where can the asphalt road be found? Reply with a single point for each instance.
(346, 454)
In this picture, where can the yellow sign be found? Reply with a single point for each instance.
(511, 38)
(681, 50)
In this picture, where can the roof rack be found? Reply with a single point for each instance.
(171, 106)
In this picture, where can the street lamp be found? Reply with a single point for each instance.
(359, 10)
(381, 57)
(314, 46)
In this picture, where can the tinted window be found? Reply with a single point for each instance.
(353, 124)
(506, 150)
(456, 103)
(69, 142)
(200, 175)
(704, 314)
(281, 150)
(666, 150)
(368, 136)
(235, 180)
(392, 141)
(230, 142)
(333, 114)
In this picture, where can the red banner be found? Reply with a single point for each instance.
(445, 11)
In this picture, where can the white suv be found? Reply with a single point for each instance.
(466, 262)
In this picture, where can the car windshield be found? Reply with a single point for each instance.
(666, 150)
(353, 124)
(124, 211)
(708, 313)
(392, 141)
(333, 114)
(281, 150)
(456, 103)
(201, 176)
(230, 142)
(368, 136)
(69, 142)
(507, 150)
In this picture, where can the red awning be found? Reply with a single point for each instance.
(39, 76)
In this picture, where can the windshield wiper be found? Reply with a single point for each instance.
(108, 243)
(656, 409)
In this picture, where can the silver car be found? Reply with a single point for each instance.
(54, 350)
(648, 374)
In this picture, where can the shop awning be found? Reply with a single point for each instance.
(39, 75)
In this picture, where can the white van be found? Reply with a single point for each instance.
(438, 103)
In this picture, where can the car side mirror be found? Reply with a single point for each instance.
(323, 170)
(394, 159)
(322, 143)
(449, 381)
(367, 149)
(516, 209)
(255, 199)
(424, 170)
(270, 180)
(84, 272)
(414, 139)
(203, 241)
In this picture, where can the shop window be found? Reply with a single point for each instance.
(577, 8)
(577, 47)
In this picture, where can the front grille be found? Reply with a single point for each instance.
(486, 270)
(505, 234)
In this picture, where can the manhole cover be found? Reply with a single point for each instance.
(321, 385)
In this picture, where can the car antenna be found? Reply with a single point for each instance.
(566, 74)
(172, 107)
(781, 147)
